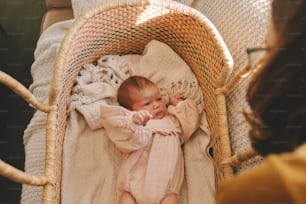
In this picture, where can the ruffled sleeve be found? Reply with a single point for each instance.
(125, 134)
(188, 115)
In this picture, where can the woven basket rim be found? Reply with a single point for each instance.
(62, 59)
(169, 4)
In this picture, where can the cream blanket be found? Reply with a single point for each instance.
(91, 161)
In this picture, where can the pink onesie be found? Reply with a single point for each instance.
(152, 165)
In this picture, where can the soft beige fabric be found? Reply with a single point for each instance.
(168, 70)
(152, 165)
(90, 165)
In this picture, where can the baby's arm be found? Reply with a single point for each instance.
(188, 115)
(141, 117)
(122, 131)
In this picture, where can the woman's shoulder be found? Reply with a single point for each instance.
(290, 161)
(270, 182)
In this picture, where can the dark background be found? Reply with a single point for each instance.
(20, 29)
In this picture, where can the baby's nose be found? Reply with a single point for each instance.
(155, 104)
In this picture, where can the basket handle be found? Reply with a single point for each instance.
(19, 89)
(239, 157)
(242, 74)
(7, 170)
(19, 176)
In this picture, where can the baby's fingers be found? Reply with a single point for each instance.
(146, 115)
(137, 119)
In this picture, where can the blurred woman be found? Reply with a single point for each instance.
(277, 98)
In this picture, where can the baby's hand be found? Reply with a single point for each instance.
(174, 99)
(141, 117)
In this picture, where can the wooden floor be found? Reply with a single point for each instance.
(19, 32)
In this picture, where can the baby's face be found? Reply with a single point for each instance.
(149, 99)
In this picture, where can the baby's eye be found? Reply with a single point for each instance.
(159, 99)
(146, 104)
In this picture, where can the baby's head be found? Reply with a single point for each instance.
(139, 93)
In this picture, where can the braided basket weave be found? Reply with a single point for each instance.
(125, 28)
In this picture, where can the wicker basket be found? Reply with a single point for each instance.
(125, 28)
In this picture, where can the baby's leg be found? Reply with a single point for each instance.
(170, 199)
(127, 198)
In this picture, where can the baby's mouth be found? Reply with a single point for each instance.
(158, 115)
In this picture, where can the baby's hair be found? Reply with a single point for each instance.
(132, 83)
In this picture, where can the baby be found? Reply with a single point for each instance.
(150, 135)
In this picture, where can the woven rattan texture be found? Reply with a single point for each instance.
(242, 24)
(127, 29)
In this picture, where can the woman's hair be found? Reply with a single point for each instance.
(133, 83)
(281, 12)
(277, 94)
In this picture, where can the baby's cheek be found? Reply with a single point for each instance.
(150, 111)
